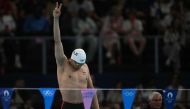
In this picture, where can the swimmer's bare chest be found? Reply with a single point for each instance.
(76, 79)
(72, 79)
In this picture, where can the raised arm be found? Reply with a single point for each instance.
(59, 53)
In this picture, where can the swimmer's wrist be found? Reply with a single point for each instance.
(56, 18)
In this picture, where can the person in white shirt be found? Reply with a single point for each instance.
(133, 28)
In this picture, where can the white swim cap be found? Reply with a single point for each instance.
(79, 56)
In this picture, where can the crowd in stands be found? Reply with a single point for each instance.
(118, 24)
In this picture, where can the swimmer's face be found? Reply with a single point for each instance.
(156, 102)
(75, 64)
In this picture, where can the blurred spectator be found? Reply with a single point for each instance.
(110, 34)
(172, 45)
(75, 5)
(8, 23)
(175, 14)
(114, 97)
(17, 97)
(8, 28)
(85, 29)
(133, 28)
(181, 97)
(36, 23)
(159, 10)
(20, 99)
(138, 101)
(155, 101)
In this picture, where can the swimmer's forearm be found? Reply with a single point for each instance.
(59, 53)
(56, 30)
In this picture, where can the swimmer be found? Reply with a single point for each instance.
(72, 73)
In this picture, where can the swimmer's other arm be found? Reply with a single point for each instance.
(59, 53)
(95, 99)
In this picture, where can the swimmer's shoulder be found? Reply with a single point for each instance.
(64, 66)
(85, 67)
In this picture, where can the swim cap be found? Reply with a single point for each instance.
(79, 56)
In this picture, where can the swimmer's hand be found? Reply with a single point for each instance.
(57, 10)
